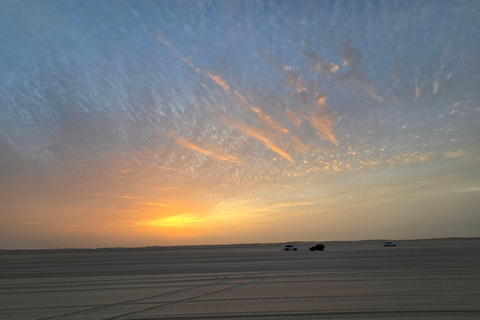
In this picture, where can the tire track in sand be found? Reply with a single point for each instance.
(128, 302)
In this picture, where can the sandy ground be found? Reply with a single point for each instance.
(423, 279)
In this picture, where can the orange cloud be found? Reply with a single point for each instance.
(213, 152)
(293, 118)
(129, 197)
(322, 122)
(320, 64)
(319, 118)
(168, 168)
(408, 158)
(257, 134)
(299, 145)
(164, 42)
(294, 79)
(212, 75)
(268, 121)
(321, 103)
(220, 82)
(217, 79)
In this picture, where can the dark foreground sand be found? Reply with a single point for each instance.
(424, 279)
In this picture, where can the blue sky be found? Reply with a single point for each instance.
(170, 122)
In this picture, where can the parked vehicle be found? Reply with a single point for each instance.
(388, 244)
(289, 247)
(317, 247)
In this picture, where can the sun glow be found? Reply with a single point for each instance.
(213, 218)
(181, 220)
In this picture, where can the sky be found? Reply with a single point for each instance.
(143, 123)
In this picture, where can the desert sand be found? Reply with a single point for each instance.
(417, 279)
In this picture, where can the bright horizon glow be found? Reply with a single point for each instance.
(152, 123)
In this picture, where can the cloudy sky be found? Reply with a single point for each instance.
(137, 123)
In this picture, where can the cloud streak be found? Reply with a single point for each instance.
(455, 154)
(266, 119)
(210, 151)
(321, 120)
(297, 121)
(168, 168)
(259, 135)
(320, 64)
(352, 58)
(319, 117)
(211, 74)
(294, 79)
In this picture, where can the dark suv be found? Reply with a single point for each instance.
(317, 247)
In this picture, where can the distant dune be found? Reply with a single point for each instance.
(219, 246)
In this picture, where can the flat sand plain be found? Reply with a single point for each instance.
(420, 279)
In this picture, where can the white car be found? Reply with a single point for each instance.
(388, 244)
(289, 247)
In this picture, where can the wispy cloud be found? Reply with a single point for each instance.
(259, 134)
(266, 119)
(168, 168)
(296, 203)
(129, 197)
(210, 151)
(455, 154)
(323, 124)
(293, 118)
(436, 82)
(298, 145)
(320, 64)
(352, 58)
(360, 80)
(417, 88)
(211, 74)
(321, 120)
(319, 117)
(216, 78)
(411, 158)
(294, 79)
